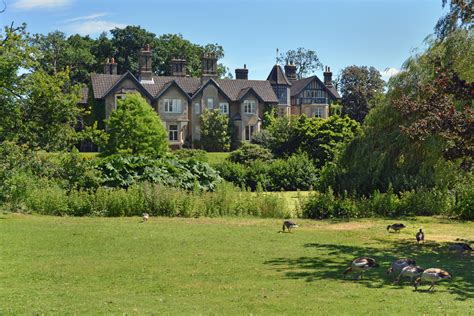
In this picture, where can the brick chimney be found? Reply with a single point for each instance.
(113, 66)
(145, 73)
(290, 71)
(107, 66)
(178, 67)
(209, 67)
(242, 73)
(327, 76)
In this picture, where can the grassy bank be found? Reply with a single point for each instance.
(224, 266)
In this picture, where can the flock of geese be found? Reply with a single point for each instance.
(402, 268)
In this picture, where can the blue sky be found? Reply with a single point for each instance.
(379, 33)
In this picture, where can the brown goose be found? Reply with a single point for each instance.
(289, 225)
(432, 275)
(396, 227)
(361, 265)
(411, 271)
(399, 264)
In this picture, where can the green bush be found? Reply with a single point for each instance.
(326, 205)
(295, 173)
(124, 171)
(196, 154)
(248, 153)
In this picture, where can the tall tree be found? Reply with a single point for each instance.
(56, 53)
(459, 17)
(306, 61)
(358, 86)
(128, 42)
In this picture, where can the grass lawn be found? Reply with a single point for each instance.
(222, 266)
(216, 158)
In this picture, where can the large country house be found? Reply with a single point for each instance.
(179, 99)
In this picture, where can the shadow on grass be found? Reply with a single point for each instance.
(334, 259)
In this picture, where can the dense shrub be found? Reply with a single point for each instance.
(295, 173)
(196, 154)
(124, 171)
(247, 153)
(423, 202)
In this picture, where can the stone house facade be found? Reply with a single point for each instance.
(179, 99)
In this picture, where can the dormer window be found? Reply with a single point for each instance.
(250, 107)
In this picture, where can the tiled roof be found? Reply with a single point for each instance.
(299, 85)
(101, 84)
(277, 76)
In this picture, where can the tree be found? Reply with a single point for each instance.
(305, 60)
(321, 139)
(38, 109)
(56, 53)
(215, 131)
(248, 153)
(128, 43)
(135, 128)
(358, 86)
(459, 17)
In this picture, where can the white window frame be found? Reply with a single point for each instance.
(249, 131)
(319, 112)
(210, 103)
(173, 134)
(224, 107)
(250, 107)
(119, 96)
(173, 106)
(197, 108)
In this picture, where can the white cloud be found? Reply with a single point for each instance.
(38, 4)
(86, 17)
(94, 27)
(389, 72)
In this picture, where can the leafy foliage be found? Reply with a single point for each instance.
(320, 138)
(215, 131)
(358, 86)
(125, 171)
(295, 173)
(135, 128)
(248, 153)
(305, 60)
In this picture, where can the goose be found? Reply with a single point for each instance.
(289, 225)
(432, 275)
(420, 236)
(361, 265)
(399, 264)
(411, 271)
(145, 217)
(396, 227)
(460, 247)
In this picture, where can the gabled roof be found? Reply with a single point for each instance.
(277, 76)
(214, 83)
(244, 92)
(104, 84)
(300, 85)
(169, 85)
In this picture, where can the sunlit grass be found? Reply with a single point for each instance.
(222, 266)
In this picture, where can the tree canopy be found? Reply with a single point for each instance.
(135, 128)
(306, 61)
(359, 86)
